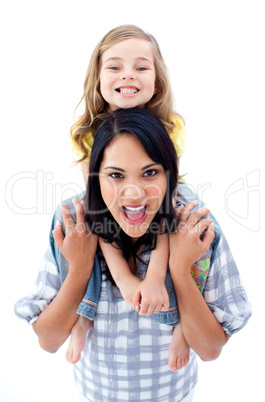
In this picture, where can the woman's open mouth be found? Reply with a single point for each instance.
(135, 214)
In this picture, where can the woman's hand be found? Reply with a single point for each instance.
(78, 245)
(192, 238)
(56, 321)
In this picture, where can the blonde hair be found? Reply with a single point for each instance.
(96, 108)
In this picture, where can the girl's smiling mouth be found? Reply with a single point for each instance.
(134, 215)
(127, 90)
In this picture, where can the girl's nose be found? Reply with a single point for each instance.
(128, 74)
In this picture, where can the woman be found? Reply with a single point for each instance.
(133, 162)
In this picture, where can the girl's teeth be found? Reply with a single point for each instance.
(127, 91)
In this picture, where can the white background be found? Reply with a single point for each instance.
(214, 51)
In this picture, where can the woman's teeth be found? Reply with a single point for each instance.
(134, 208)
(134, 213)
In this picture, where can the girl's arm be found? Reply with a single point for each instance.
(151, 295)
(203, 333)
(54, 324)
(126, 281)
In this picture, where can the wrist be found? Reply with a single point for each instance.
(80, 273)
(155, 277)
(182, 280)
(121, 279)
(180, 268)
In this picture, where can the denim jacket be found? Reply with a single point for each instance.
(88, 306)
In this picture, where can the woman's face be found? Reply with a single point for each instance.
(132, 185)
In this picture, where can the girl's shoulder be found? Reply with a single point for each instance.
(178, 134)
(178, 121)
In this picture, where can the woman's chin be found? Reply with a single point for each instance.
(135, 230)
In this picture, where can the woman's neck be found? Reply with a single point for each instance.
(133, 265)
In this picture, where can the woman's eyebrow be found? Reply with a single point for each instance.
(150, 165)
(115, 168)
(122, 170)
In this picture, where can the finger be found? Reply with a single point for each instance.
(196, 215)
(179, 208)
(93, 242)
(143, 308)
(58, 234)
(209, 235)
(201, 226)
(186, 210)
(67, 217)
(79, 210)
(166, 305)
(136, 300)
(158, 307)
(151, 309)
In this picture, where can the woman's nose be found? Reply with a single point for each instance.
(133, 192)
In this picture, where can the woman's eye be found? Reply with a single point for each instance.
(150, 173)
(116, 175)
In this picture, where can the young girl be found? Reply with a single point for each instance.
(127, 70)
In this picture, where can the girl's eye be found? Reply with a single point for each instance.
(114, 68)
(141, 68)
(150, 173)
(116, 175)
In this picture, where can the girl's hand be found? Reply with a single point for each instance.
(128, 287)
(78, 245)
(151, 297)
(192, 238)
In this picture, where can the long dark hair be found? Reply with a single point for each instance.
(151, 133)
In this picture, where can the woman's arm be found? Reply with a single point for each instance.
(54, 324)
(202, 331)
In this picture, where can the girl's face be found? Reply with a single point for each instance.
(127, 74)
(132, 185)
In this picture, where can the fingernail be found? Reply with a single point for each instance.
(58, 223)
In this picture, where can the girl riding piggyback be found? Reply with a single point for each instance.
(127, 70)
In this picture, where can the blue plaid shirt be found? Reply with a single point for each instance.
(126, 355)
